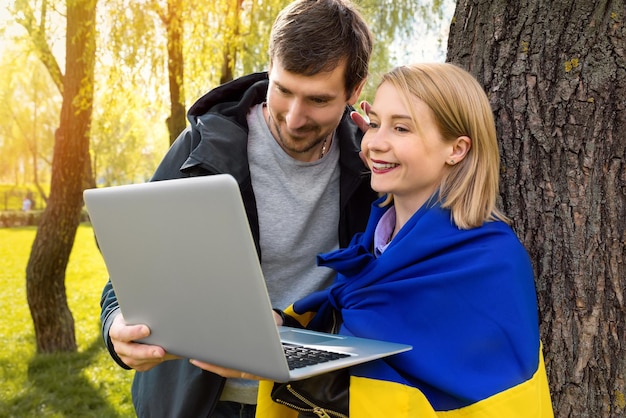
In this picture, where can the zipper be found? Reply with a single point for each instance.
(320, 412)
(334, 328)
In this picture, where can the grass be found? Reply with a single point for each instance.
(82, 384)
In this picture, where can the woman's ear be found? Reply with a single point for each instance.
(460, 148)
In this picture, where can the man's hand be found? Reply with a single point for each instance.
(140, 357)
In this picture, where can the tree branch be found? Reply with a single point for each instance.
(25, 16)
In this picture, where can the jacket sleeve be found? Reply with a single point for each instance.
(109, 310)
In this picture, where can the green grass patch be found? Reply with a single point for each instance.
(82, 384)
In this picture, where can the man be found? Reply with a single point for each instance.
(287, 137)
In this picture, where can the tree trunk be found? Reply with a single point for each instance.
(45, 272)
(555, 73)
(173, 21)
(231, 39)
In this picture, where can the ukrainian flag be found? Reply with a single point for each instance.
(464, 299)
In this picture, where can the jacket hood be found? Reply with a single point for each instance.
(228, 99)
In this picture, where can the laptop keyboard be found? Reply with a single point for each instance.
(299, 356)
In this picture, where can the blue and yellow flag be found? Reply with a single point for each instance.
(464, 299)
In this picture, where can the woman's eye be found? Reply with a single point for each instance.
(373, 125)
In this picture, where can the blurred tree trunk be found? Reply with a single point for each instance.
(45, 272)
(555, 73)
(172, 18)
(229, 53)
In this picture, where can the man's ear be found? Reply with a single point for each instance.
(356, 93)
(460, 148)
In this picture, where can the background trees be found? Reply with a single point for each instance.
(120, 99)
(29, 98)
(133, 76)
(556, 76)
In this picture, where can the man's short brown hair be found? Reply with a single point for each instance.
(312, 36)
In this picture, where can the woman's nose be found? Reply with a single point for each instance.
(376, 140)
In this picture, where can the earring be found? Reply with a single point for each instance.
(452, 162)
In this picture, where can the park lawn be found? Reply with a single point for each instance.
(82, 384)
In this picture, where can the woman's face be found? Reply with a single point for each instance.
(407, 157)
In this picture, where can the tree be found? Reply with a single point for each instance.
(128, 132)
(45, 272)
(233, 25)
(399, 24)
(209, 43)
(172, 18)
(26, 136)
(555, 73)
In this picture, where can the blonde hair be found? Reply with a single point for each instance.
(461, 108)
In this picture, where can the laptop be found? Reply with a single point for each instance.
(181, 259)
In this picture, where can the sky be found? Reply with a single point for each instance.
(430, 47)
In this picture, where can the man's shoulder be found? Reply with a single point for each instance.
(246, 90)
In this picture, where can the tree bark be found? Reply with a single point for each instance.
(45, 272)
(555, 73)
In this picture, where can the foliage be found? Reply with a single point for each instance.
(30, 100)
(11, 197)
(129, 130)
(82, 384)
(397, 26)
(11, 219)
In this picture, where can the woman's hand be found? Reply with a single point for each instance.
(362, 121)
(232, 373)
(224, 372)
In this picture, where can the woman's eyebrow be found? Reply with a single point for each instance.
(392, 117)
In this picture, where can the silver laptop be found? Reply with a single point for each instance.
(182, 260)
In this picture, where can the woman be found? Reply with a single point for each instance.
(438, 267)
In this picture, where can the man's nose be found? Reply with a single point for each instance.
(296, 115)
